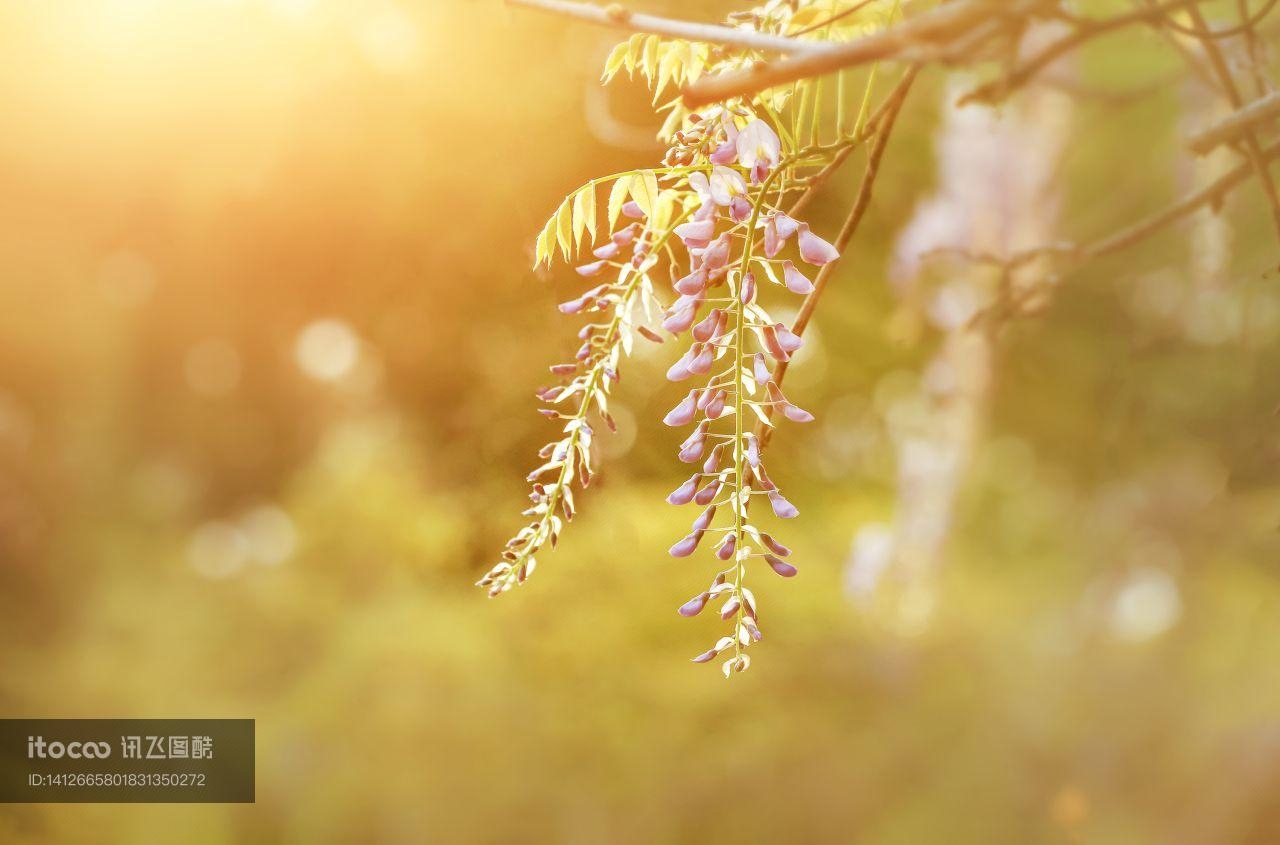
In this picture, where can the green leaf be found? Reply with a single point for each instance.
(644, 190)
(564, 228)
(617, 58)
(617, 198)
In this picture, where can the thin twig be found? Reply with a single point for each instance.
(1233, 125)
(893, 105)
(618, 17)
(1209, 194)
(1252, 149)
(939, 26)
(1087, 30)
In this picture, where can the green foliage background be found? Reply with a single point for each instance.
(270, 167)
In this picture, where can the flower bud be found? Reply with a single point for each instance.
(632, 209)
(592, 269)
(677, 321)
(782, 508)
(701, 363)
(683, 413)
(760, 369)
(704, 520)
(814, 249)
(683, 494)
(694, 606)
(787, 339)
(795, 281)
(705, 657)
(692, 283)
(705, 329)
(774, 546)
(687, 546)
(780, 566)
(748, 292)
(725, 550)
(707, 494)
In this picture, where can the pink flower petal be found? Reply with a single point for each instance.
(760, 369)
(774, 546)
(683, 494)
(683, 413)
(814, 249)
(707, 494)
(782, 508)
(632, 209)
(795, 281)
(781, 567)
(704, 520)
(694, 606)
(687, 546)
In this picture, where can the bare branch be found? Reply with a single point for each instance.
(1250, 146)
(937, 27)
(618, 17)
(1207, 195)
(1237, 123)
(1086, 31)
(893, 105)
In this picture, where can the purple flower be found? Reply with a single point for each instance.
(726, 153)
(795, 281)
(713, 460)
(707, 494)
(683, 494)
(781, 567)
(705, 330)
(725, 550)
(814, 249)
(687, 546)
(609, 250)
(704, 520)
(739, 209)
(715, 408)
(693, 283)
(678, 321)
(682, 414)
(701, 363)
(706, 656)
(626, 235)
(769, 334)
(564, 369)
(774, 546)
(725, 184)
(694, 606)
(760, 369)
(786, 225)
(787, 339)
(716, 255)
(573, 306)
(697, 233)
(680, 369)
(782, 508)
(790, 411)
(748, 292)
(632, 209)
(759, 149)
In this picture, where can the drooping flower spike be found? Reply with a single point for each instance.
(697, 248)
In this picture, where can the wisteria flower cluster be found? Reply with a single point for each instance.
(713, 224)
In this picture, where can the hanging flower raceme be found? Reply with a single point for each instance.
(728, 351)
(713, 219)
